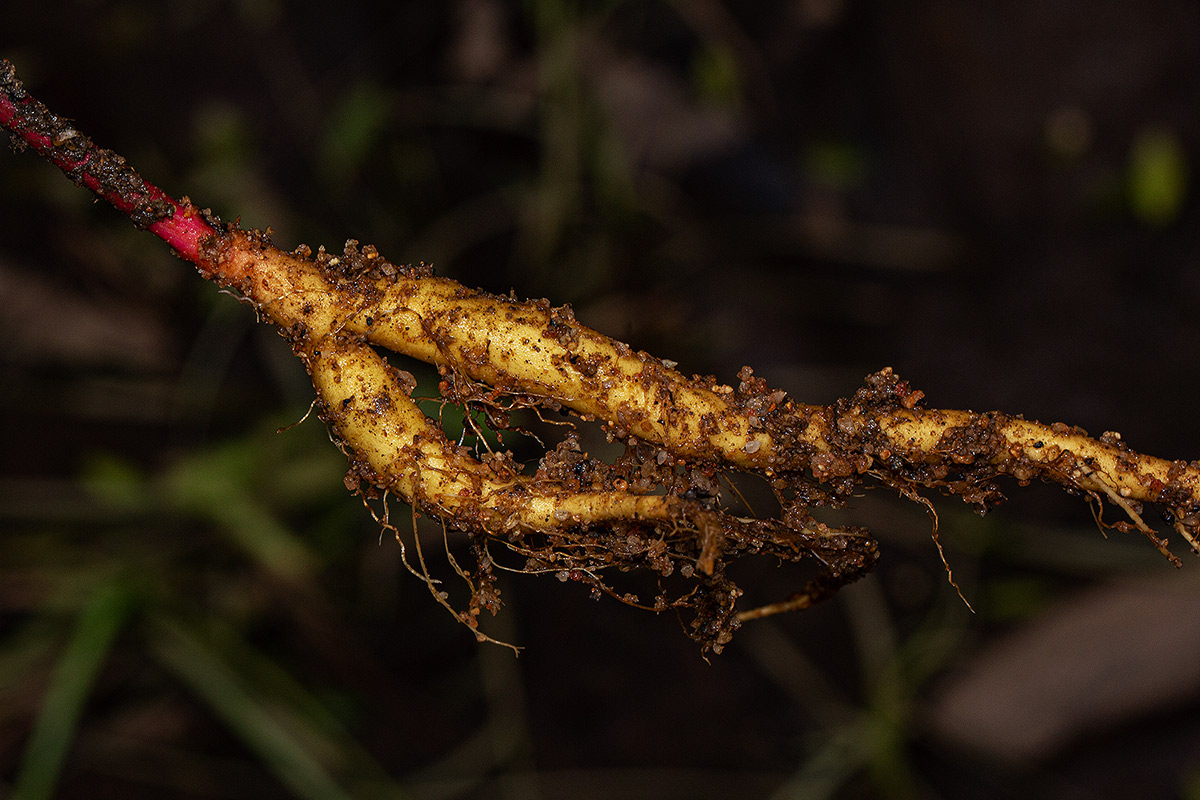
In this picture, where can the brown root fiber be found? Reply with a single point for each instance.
(657, 509)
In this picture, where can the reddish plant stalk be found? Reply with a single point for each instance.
(177, 222)
(334, 309)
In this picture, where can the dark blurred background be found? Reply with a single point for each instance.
(996, 199)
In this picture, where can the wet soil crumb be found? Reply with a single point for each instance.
(104, 172)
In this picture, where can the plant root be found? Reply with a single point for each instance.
(657, 509)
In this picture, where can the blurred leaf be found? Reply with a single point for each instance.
(1017, 599)
(307, 717)
(24, 652)
(354, 128)
(1158, 169)
(831, 764)
(228, 172)
(838, 165)
(288, 756)
(716, 76)
(1093, 662)
(99, 623)
(219, 485)
(1191, 787)
(115, 482)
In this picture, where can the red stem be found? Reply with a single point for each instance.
(177, 222)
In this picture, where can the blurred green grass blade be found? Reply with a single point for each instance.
(307, 716)
(353, 128)
(832, 764)
(22, 655)
(99, 623)
(224, 692)
(215, 485)
(716, 76)
(1158, 168)
(839, 165)
(116, 483)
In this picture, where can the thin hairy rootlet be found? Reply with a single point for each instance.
(658, 508)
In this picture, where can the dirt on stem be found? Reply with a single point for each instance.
(658, 508)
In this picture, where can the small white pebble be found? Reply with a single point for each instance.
(752, 446)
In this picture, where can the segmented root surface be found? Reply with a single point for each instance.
(658, 508)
